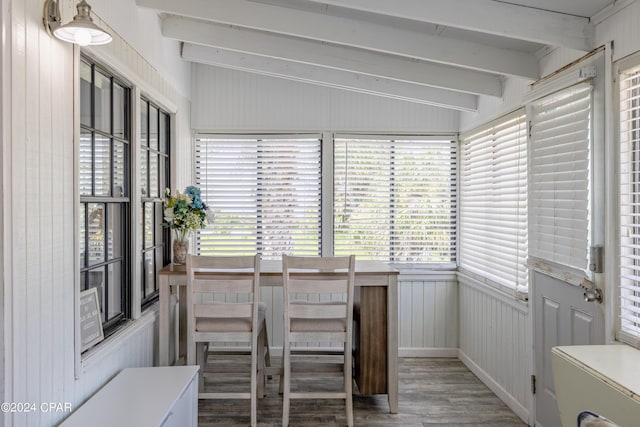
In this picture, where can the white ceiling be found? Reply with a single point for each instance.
(436, 52)
(584, 8)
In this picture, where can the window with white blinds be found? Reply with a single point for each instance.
(629, 327)
(560, 177)
(395, 198)
(265, 193)
(493, 202)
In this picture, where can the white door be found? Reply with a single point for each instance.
(561, 317)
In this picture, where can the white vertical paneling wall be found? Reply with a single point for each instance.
(38, 210)
(4, 136)
(427, 319)
(229, 100)
(428, 315)
(495, 341)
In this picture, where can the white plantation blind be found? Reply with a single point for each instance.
(629, 327)
(395, 198)
(560, 177)
(265, 192)
(493, 202)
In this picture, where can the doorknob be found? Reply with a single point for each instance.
(591, 292)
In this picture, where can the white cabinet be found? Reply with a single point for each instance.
(143, 397)
(603, 379)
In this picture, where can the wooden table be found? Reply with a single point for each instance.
(376, 316)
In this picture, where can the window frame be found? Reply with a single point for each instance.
(623, 333)
(326, 208)
(202, 139)
(405, 140)
(161, 236)
(123, 200)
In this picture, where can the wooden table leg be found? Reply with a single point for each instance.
(182, 324)
(371, 340)
(163, 329)
(392, 342)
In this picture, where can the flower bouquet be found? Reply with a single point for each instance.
(185, 213)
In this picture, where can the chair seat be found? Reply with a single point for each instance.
(318, 325)
(230, 324)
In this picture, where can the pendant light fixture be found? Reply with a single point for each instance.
(81, 30)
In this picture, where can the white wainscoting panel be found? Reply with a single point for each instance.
(495, 342)
(428, 316)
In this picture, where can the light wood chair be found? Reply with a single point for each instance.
(212, 281)
(312, 315)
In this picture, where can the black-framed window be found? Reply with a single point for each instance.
(105, 129)
(154, 178)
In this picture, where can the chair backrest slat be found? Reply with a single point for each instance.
(226, 285)
(224, 310)
(318, 286)
(222, 287)
(318, 311)
(311, 285)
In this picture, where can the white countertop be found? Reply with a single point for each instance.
(618, 365)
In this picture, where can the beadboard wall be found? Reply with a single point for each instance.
(495, 342)
(237, 101)
(39, 205)
(427, 318)
(428, 315)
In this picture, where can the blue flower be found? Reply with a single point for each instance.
(193, 192)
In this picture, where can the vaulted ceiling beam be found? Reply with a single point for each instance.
(330, 77)
(488, 16)
(330, 56)
(355, 33)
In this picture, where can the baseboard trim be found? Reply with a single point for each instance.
(503, 394)
(402, 352)
(428, 352)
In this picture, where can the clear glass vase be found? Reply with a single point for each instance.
(180, 251)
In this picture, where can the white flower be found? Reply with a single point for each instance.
(168, 214)
(210, 216)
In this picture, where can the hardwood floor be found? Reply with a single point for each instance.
(433, 392)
